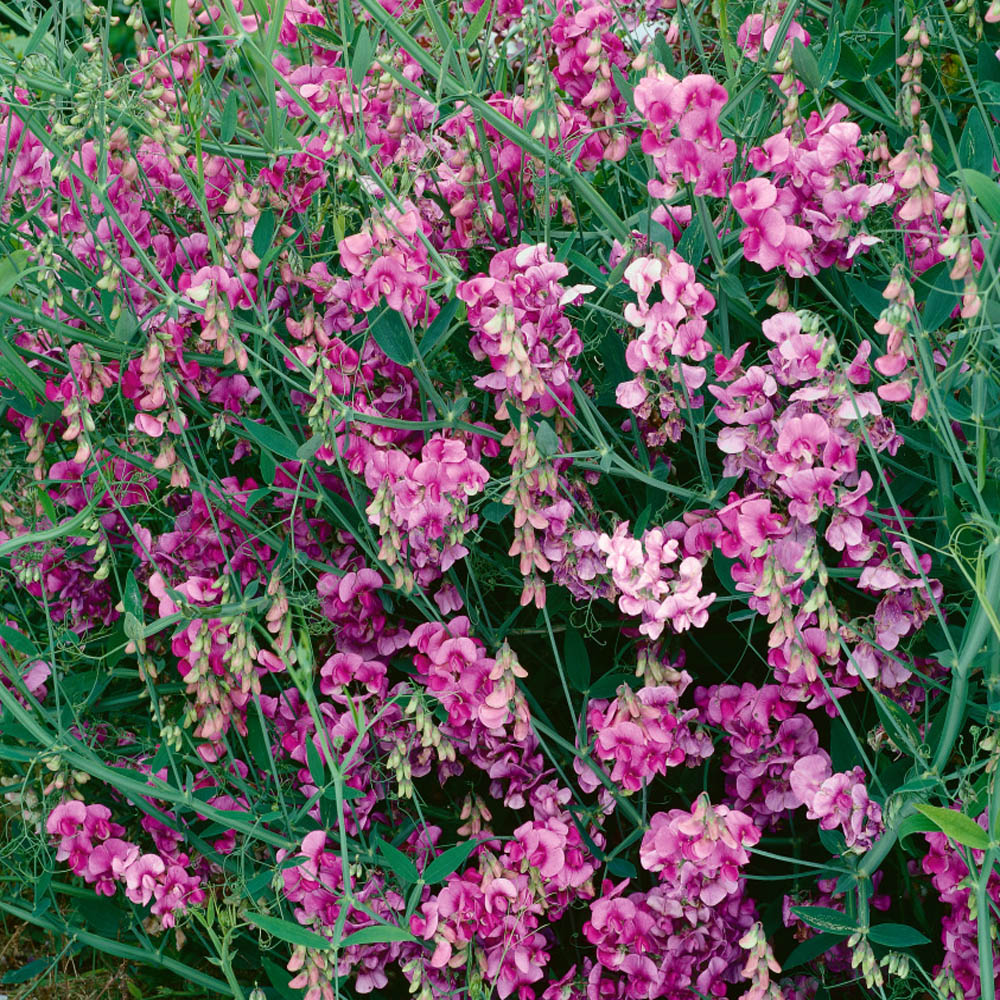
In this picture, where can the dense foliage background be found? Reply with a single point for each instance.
(499, 498)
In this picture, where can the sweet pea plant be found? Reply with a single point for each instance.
(500, 498)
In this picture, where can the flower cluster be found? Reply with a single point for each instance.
(92, 847)
(451, 464)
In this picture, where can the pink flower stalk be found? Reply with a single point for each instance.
(808, 214)
(698, 854)
(641, 734)
(517, 315)
(682, 133)
(837, 800)
(421, 507)
(647, 584)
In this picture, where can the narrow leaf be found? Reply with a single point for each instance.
(478, 23)
(825, 919)
(401, 866)
(180, 14)
(287, 931)
(263, 233)
(315, 764)
(270, 439)
(440, 330)
(18, 641)
(959, 827)
(361, 58)
(131, 597)
(812, 948)
(805, 65)
(897, 936)
(448, 861)
(377, 935)
(229, 115)
(985, 190)
(576, 660)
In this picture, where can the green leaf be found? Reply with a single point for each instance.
(812, 948)
(495, 512)
(383, 934)
(361, 57)
(897, 722)
(280, 979)
(547, 440)
(830, 59)
(307, 449)
(126, 327)
(440, 330)
(287, 931)
(180, 15)
(41, 30)
(448, 861)
(624, 87)
(897, 936)
(321, 36)
(131, 596)
(263, 233)
(315, 764)
(985, 190)
(133, 628)
(11, 269)
(884, 57)
(254, 497)
(825, 919)
(621, 868)
(230, 112)
(869, 298)
(26, 972)
(389, 330)
(19, 641)
(959, 827)
(805, 65)
(576, 660)
(478, 23)
(974, 148)
(945, 294)
(271, 439)
(401, 866)
(850, 67)
(607, 685)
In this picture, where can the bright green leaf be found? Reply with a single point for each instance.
(180, 15)
(959, 827)
(11, 269)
